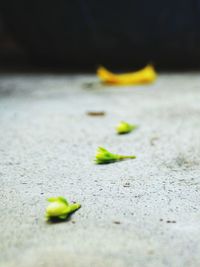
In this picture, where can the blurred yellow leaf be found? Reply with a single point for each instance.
(143, 76)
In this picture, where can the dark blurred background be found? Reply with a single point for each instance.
(82, 34)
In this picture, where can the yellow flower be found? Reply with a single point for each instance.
(103, 156)
(60, 208)
(124, 127)
(143, 76)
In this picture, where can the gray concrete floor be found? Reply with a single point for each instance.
(47, 144)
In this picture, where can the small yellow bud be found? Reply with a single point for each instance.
(124, 127)
(59, 208)
(56, 209)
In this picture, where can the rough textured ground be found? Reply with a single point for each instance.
(47, 144)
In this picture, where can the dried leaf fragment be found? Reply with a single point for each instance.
(143, 76)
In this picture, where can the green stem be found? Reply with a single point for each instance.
(127, 157)
(74, 207)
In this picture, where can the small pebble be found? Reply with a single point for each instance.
(168, 221)
(126, 185)
(117, 222)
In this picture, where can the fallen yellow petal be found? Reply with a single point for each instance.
(143, 76)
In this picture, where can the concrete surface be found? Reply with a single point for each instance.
(47, 143)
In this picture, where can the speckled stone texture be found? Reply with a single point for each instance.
(136, 213)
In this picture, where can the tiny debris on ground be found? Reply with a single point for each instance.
(96, 113)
